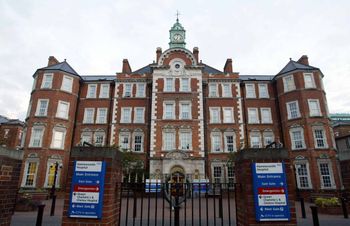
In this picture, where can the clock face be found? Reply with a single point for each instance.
(178, 37)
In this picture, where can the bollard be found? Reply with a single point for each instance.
(53, 204)
(345, 210)
(302, 205)
(39, 218)
(315, 215)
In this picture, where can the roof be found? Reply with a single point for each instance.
(144, 70)
(98, 77)
(256, 77)
(63, 66)
(292, 66)
(14, 122)
(210, 70)
(3, 119)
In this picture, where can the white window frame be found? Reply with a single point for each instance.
(214, 148)
(63, 138)
(229, 91)
(250, 90)
(228, 120)
(59, 112)
(309, 84)
(99, 133)
(331, 174)
(125, 117)
(84, 135)
(99, 116)
(182, 108)
(301, 130)
(288, 86)
(91, 91)
(47, 83)
(85, 120)
(172, 142)
(138, 92)
(167, 82)
(125, 94)
(25, 172)
(312, 111)
(268, 119)
(217, 179)
(32, 138)
(51, 163)
(268, 134)
(324, 137)
(104, 91)
(67, 83)
(252, 120)
(212, 110)
(289, 112)
(263, 90)
(136, 119)
(121, 140)
(255, 134)
(298, 176)
(165, 116)
(134, 142)
(183, 144)
(226, 134)
(38, 108)
(182, 84)
(213, 92)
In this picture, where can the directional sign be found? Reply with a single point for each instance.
(270, 192)
(86, 197)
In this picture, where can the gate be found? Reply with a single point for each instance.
(175, 204)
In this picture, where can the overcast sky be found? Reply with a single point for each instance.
(95, 36)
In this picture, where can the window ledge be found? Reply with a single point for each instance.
(57, 149)
(66, 119)
(300, 149)
(290, 119)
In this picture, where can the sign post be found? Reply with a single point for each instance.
(86, 197)
(270, 192)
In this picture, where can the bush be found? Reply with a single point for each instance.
(327, 202)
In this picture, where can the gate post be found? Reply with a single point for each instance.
(247, 206)
(111, 187)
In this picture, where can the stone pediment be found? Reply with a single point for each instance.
(176, 155)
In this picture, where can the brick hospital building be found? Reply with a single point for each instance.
(181, 116)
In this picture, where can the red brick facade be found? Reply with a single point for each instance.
(10, 132)
(181, 116)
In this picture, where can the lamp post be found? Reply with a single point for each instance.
(53, 189)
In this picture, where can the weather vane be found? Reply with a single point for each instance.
(177, 15)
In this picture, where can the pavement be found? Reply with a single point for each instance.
(29, 218)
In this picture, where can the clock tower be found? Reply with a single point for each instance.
(177, 36)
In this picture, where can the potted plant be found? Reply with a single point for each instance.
(328, 205)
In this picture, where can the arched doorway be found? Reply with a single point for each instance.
(177, 174)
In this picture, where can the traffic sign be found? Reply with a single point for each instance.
(86, 197)
(270, 192)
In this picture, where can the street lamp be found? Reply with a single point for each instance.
(53, 189)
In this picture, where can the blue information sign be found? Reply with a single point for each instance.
(86, 196)
(270, 192)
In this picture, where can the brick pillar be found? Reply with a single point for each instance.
(10, 167)
(111, 197)
(245, 193)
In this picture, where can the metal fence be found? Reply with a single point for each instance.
(168, 204)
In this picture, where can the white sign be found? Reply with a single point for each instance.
(268, 168)
(85, 197)
(88, 166)
(272, 200)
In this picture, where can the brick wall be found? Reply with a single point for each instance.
(10, 166)
(111, 198)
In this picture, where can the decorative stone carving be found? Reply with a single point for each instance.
(176, 155)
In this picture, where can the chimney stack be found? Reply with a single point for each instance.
(228, 66)
(304, 60)
(52, 61)
(126, 67)
(195, 53)
(159, 52)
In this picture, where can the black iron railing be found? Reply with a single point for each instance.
(168, 204)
